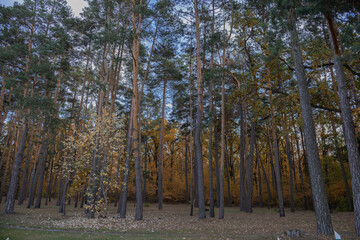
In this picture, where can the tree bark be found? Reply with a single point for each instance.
(343, 172)
(227, 176)
(125, 178)
(24, 181)
(160, 159)
(198, 130)
(322, 212)
(10, 197)
(41, 165)
(250, 169)
(259, 178)
(242, 156)
(216, 155)
(290, 162)
(186, 173)
(348, 123)
(222, 155)
(277, 160)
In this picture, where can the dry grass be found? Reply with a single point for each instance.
(174, 222)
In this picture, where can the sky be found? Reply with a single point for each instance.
(76, 5)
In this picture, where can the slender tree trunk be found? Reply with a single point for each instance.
(339, 157)
(33, 180)
(290, 161)
(186, 173)
(191, 135)
(211, 107)
(48, 186)
(10, 198)
(160, 159)
(198, 130)
(349, 128)
(300, 169)
(266, 178)
(83, 198)
(277, 161)
(145, 170)
(211, 188)
(259, 177)
(76, 199)
(24, 183)
(250, 169)
(41, 166)
(222, 155)
(322, 212)
(125, 178)
(61, 184)
(242, 156)
(216, 155)
(227, 176)
(62, 208)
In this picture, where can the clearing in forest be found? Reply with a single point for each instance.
(173, 222)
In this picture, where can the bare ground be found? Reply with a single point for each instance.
(174, 222)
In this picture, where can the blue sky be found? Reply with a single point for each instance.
(76, 5)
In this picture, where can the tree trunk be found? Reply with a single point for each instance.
(222, 155)
(186, 173)
(349, 128)
(343, 172)
(48, 186)
(227, 176)
(13, 186)
(145, 170)
(125, 178)
(277, 161)
(259, 178)
(300, 168)
(41, 166)
(242, 156)
(24, 181)
(198, 130)
(34, 178)
(216, 155)
(250, 169)
(290, 161)
(160, 159)
(322, 212)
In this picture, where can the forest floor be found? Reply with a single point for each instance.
(173, 222)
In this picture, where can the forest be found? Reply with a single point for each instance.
(208, 104)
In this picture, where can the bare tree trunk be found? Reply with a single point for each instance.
(259, 177)
(198, 130)
(300, 168)
(42, 164)
(339, 157)
(242, 156)
(186, 173)
(211, 107)
(222, 155)
(33, 180)
(227, 175)
(216, 155)
(24, 182)
(290, 161)
(349, 128)
(10, 198)
(145, 169)
(250, 169)
(277, 161)
(322, 212)
(48, 187)
(160, 159)
(125, 178)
